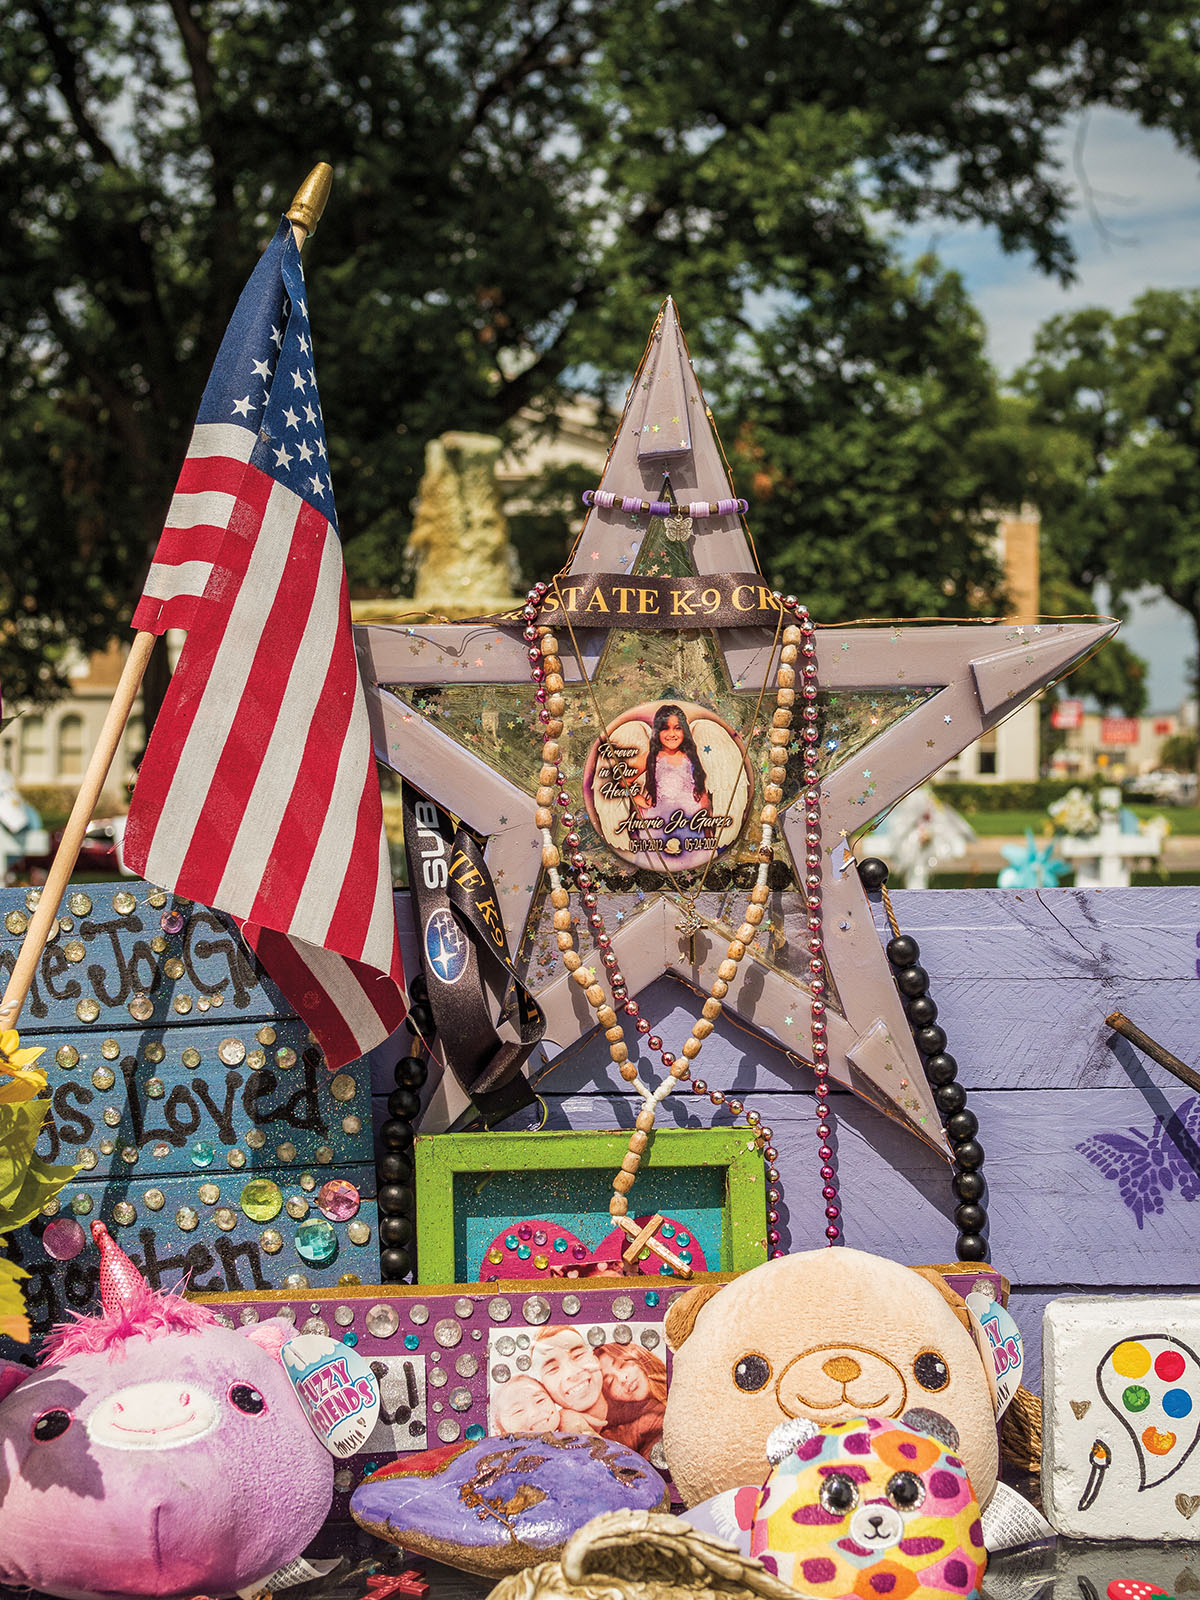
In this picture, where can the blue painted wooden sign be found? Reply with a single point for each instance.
(210, 1135)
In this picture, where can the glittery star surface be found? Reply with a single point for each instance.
(470, 738)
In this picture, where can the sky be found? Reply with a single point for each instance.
(1141, 231)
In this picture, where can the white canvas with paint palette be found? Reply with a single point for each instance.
(1121, 1417)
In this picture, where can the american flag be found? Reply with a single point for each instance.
(258, 793)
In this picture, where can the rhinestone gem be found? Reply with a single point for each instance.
(621, 1333)
(536, 1309)
(141, 1008)
(74, 950)
(110, 1049)
(323, 1154)
(255, 1138)
(256, 1060)
(297, 1207)
(467, 1365)
(596, 1336)
(208, 1194)
(156, 898)
(67, 1056)
(261, 1199)
(173, 967)
(225, 1218)
(316, 1242)
(161, 1152)
(202, 1154)
(411, 1341)
(307, 1182)
(352, 1124)
(461, 1399)
(63, 1239)
(418, 1314)
(103, 1078)
(123, 1213)
(171, 922)
(271, 1241)
(315, 1325)
(285, 1058)
(87, 1010)
(123, 902)
(155, 1088)
(33, 899)
(448, 1430)
(294, 1281)
(16, 922)
(52, 1207)
(344, 1316)
(232, 1052)
(236, 1159)
(463, 1307)
(343, 1087)
(438, 1378)
(86, 1158)
(154, 1053)
(649, 1337)
(286, 1151)
(474, 1431)
(107, 1146)
(191, 1057)
(506, 1345)
(81, 1204)
(500, 1373)
(499, 1309)
(359, 1232)
(154, 1199)
(183, 1004)
(158, 944)
(78, 903)
(187, 1218)
(622, 1308)
(266, 1035)
(338, 1200)
(448, 1332)
(571, 1304)
(129, 1154)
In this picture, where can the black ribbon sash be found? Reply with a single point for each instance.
(610, 600)
(463, 947)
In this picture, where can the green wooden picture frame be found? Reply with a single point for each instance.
(471, 1186)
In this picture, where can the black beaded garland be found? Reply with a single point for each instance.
(395, 1231)
(419, 1019)
(941, 1069)
(949, 1098)
(912, 981)
(873, 872)
(396, 1134)
(394, 1167)
(403, 1103)
(969, 1185)
(902, 951)
(396, 1200)
(962, 1127)
(410, 1073)
(395, 1265)
(922, 1011)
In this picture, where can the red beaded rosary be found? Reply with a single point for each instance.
(798, 644)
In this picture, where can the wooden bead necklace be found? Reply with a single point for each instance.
(798, 645)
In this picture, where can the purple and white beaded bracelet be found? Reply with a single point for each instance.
(603, 501)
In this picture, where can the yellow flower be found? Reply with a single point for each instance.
(18, 1079)
(12, 1058)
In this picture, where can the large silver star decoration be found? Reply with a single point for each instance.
(453, 711)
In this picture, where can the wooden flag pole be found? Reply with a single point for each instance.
(304, 213)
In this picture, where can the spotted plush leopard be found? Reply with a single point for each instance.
(869, 1509)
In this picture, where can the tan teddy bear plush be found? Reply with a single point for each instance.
(826, 1334)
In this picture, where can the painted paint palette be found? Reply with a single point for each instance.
(1121, 1417)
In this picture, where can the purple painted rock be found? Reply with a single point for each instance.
(499, 1505)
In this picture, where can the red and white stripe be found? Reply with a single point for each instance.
(264, 750)
(196, 524)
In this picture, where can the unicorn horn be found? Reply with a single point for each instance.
(120, 1281)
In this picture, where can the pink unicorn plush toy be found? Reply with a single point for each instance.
(154, 1451)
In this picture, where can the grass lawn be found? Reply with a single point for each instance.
(1183, 819)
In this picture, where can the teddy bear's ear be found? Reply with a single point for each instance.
(681, 1318)
(955, 1301)
(962, 1311)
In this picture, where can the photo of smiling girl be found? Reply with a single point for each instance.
(635, 1388)
(675, 785)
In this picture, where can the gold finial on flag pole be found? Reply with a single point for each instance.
(310, 200)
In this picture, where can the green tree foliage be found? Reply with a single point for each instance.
(1179, 751)
(1117, 402)
(518, 184)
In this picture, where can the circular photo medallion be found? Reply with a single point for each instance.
(668, 785)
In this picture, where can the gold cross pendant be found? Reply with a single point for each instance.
(689, 925)
(644, 1239)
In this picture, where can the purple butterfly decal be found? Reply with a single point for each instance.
(1146, 1166)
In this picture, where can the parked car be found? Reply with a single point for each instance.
(1168, 788)
(99, 854)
